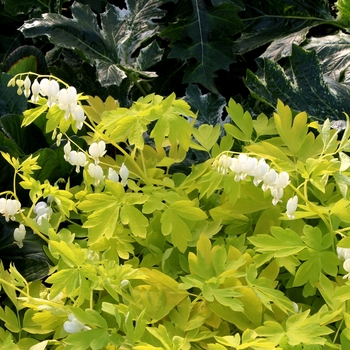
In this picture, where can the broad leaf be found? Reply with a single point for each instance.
(303, 88)
(10, 102)
(271, 20)
(205, 37)
(110, 47)
(30, 260)
(209, 106)
(333, 51)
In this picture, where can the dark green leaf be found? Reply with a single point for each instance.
(304, 89)
(206, 37)
(283, 47)
(208, 106)
(16, 7)
(333, 51)
(270, 20)
(110, 47)
(28, 139)
(149, 56)
(10, 101)
(25, 59)
(30, 260)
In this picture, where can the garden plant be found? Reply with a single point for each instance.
(175, 175)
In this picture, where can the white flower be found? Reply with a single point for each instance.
(346, 266)
(67, 100)
(292, 205)
(19, 235)
(343, 253)
(97, 150)
(224, 164)
(73, 325)
(269, 178)
(43, 211)
(96, 172)
(35, 91)
(27, 83)
(79, 116)
(282, 180)
(9, 208)
(277, 194)
(260, 170)
(49, 88)
(248, 167)
(124, 174)
(78, 159)
(112, 175)
(67, 149)
(19, 83)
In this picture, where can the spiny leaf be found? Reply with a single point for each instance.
(110, 47)
(303, 89)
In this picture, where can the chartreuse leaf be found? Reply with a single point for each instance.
(110, 208)
(293, 131)
(317, 257)
(92, 339)
(31, 114)
(243, 120)
(10, 319)
(172, 123)
(177, 219)
(283, 242)
(264, 125)
(158, 295)
(207, 135)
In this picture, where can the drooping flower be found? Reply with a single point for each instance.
(260, 170)
(9, 208)
(78, 159)
(79, 116)
(269, 179)
(19, 83)
(224, 164)
(343, 253)
(96, 172)
(50, 89)
(67, 149)
(292, 205)
(346, 266)
(35, 91)
(124, 174)
(26, 84)
(277, 194)
(73, 325)
(42, 211)
(112, 175)
(19, 235)
(97, 150)
(67, 100)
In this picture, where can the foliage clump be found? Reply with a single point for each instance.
(248, 248)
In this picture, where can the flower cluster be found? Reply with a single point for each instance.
(9, 208)
(96, 151)
(65, 98)
(243, 166)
